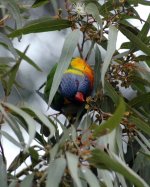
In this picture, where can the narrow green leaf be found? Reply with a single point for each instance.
(15, 127)
(28, 119)
(112, 38)
(49, 82)
(73, 168)
(8, 43)
(18, 161)
(54, 151)
(143, 146)
(27, 182)
(14, 10)
(12, 73)
(3, 173)
(112, 162)
(112, 122)
(28, 60)
(111, 92)
(64, 61)
(105, 177)
(55, 5)
(144, 139)
(6, 60)
(39, 3)
(140, 124)
(11, 139)
(145, 29)
(97, 68)
(90, 177)
(45, 121)
(13, 183)
(121, 180)
(119, 142)
(34, 154)
(41, 25)
(140, 100)
(144, 2)
(11, 78)
(92, 9)
(136, 41)
(55, 172)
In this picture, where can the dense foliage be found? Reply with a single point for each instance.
(107, 144)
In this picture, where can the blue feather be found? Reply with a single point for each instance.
(73, 83)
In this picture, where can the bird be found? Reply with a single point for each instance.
(77, 81)
(75, 86)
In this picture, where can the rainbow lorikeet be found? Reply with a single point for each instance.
(75, 86)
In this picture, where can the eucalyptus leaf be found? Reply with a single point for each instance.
(30, 122)
(28, 181)
(72, 161)
(28, 60)
(112, 39)
(4, 39)
(112, 122)
(144, 2)
(39, 3)
(90, 177)
(18, 161)
(64, 61)
(97, 68)
(44, 120)
(15, 127)
(14, 10)
(11, 78)
(55, 172)
(104, 176)
(143, 146)
(111, 92)
(144, 139)
(11, 139)
(13, 183)
(136, 41)
(6, 60)
(140, 100)
(3, 173)
(112, 162)
(92, 9)
(41, 25)
(141, 124)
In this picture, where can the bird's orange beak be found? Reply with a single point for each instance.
(79, 97)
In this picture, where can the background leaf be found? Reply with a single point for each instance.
(38, 3)
(64, 61)
(30, 122)
(112, 39)
(41, 25)
(100, 158)
(14, 10)
(55, 172)
(4, 39)
(112, 122)
(27, 181)
(72, 161)
(3, 173)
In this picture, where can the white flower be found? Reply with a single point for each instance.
(79, 8)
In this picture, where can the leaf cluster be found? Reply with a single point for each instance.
(107, 142)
